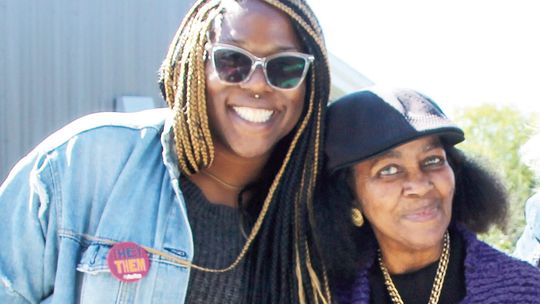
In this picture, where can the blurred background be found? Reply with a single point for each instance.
(62, 59)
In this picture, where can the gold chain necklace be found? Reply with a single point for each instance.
(221, 182)
(437, 283)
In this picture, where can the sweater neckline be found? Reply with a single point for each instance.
(199, 206)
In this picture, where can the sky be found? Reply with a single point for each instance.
(460, 53)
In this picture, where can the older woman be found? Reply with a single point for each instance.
(406, 205)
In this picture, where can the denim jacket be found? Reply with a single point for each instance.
(528, 245)
(106, 178)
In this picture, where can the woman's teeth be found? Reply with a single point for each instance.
(254, 114)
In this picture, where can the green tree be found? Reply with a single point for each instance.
(495, 135)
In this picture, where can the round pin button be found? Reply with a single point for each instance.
(128, 262)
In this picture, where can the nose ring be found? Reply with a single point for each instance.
(257, 96)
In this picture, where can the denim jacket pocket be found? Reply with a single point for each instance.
(97, 284)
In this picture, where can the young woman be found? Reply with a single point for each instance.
(205, 202)
(416, 201)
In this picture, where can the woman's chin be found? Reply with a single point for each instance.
(423, 238)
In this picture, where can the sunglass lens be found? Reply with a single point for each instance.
(285, 71)
(231, 66)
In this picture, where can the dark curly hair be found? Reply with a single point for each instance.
(480, 201)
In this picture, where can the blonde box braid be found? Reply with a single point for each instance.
(182, 81)
(183, 85)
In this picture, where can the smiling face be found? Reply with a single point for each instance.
(241, 124)
(406, 194)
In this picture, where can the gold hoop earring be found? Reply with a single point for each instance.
(357, 218)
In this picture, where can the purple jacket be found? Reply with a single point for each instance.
(490, 277)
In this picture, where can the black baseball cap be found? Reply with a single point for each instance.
(365, 123)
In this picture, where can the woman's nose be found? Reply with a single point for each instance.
(257, 81)
(417, 183)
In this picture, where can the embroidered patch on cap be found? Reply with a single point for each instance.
(128, 262)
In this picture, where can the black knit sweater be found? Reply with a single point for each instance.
(217, 239)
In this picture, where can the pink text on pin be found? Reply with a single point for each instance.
(128, 261)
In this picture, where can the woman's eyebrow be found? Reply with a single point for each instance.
(387, 154)
(434, 144)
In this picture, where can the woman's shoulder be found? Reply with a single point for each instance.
(357, 290)
(483, 257)
(109, 123)
(487, 258)
(492, 274)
